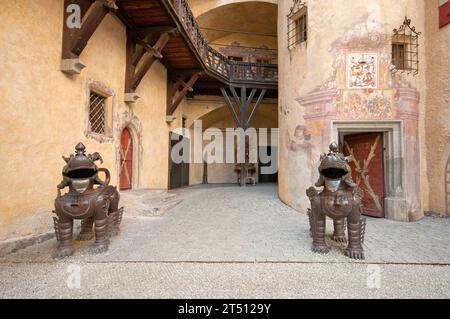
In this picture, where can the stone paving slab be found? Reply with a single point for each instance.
(200, 280)
(226, 223)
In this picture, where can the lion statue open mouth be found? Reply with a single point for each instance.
(97, 208)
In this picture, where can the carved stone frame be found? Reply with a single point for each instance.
(394, 168)
(111, 99)
(132, 122)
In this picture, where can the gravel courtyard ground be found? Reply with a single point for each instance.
(226, 242)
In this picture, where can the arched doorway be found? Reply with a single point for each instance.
(126, 160)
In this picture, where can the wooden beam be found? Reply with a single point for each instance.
(94, 17)
(186, 88)
(147, 47)
(76, 37)
(230, 107)
(159, 46)
(69, 34)
(243, 102)
(130, 68)
(250, 98)
(255, 109)
(172, 89)
(143, 32)
(185, 85)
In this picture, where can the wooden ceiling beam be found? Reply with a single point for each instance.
(158, 47)
(138, 50)
(145, 31)
(81, 19)
(187, 87)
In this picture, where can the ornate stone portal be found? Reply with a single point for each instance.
(340, 199)
(95, 207)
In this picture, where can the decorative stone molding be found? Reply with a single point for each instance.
(105, 90)
(170, 119)
(388, 106)
(72, 66)
(131, 98)
(319, 104)
(129, 120)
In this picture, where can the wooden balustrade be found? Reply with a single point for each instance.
(233, 71)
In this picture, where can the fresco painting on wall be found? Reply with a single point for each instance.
(367, 105)
(362, 70)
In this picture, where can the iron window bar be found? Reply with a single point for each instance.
(405, 48)
(297, 28)
(97, 113)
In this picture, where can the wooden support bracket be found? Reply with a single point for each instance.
(81, 19)
(243, 103)
(174, 87)
(140, 57)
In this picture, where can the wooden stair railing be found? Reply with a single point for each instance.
(232, 71)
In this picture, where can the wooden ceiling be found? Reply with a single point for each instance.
(141, 14)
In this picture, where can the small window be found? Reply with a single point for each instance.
(405, 48)
(236, 58)
(297, 24)
(99, 109)
(398, 56)
(300, 29)
(97, 113)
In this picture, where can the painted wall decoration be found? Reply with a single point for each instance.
(361, 88)
(366, 105)
(362, 70)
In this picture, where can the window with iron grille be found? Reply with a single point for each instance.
(405, 48)
(97, 113)
(398, 55)
(297, 24)
(300, 29)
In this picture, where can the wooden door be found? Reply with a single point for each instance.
(367, 169)
(267, 178)
(126, 160)
(178, 172)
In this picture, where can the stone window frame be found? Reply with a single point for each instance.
(394, 168)
(104, 90)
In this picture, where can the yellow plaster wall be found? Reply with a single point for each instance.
(437, 105)
(213, 113)
(43, 111)
(309, 66)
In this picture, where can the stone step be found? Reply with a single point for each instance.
(148, 203)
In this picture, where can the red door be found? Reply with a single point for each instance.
(367, 169)
(126, 160)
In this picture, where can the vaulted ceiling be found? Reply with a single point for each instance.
(256, 17)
